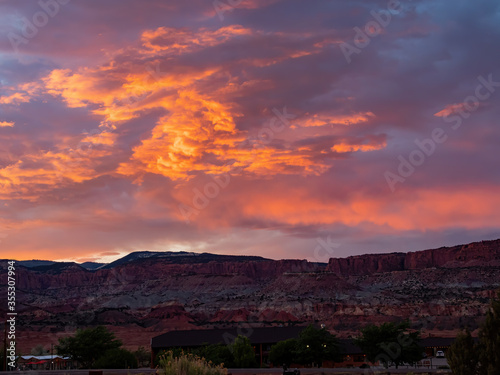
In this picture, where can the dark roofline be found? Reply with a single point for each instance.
(193, 338)
(437, 341)
(259, 335)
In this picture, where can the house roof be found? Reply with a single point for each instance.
(436, 341)
(42, 357)
(191, 338)
(260, 335)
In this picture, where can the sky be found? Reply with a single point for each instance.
(279, 128)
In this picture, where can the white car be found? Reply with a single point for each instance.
(439, 354)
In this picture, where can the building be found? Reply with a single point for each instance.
(44, 362)
(434, 344)
(261, 338)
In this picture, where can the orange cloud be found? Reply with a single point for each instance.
(427, 210)
(196, 133)
(343, 147)
(15, 98)
(322, 120)
(6, 124)
(36, 174)
(179, 41)
(450, 109)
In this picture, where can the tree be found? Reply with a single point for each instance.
(244, 355)
(462, 355)
(390, 342)
(86, 346)
(316, 345)
(284, 352)
(38, 350)
(143, 356)
(489, 341)
(218, 354)
(116, 358)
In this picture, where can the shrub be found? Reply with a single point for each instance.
(188, 364)
(244, 356)
(218, 354)
(116, 359)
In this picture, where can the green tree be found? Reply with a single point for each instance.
(462, 355)
(217, 354)
(390, 342)
(117, 358)
(244, 355)
(316, 345)
(39, 350)
(86, 346)
(284, 353)
(489, 341)
(143, 356)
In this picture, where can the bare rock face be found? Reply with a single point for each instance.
(367, 264)
(146, 294)
(478, 254)
(483, 254)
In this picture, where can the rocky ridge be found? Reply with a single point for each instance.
(439, 290)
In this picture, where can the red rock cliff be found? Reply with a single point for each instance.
(484, 253)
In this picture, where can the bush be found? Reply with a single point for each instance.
(218, 354)
(284, 352)
(116, 359)
(188, 364)
(244, 356)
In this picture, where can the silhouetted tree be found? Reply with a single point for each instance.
(143, 356)
(284, 352)
(316, 345)
(462, 356)
(217, 354)
(489, 341)
(38, 350)
(244, 355)
(86, 346)
(390, 342)
(116, 358)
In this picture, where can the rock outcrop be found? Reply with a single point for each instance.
(483, 254)
(439, 290)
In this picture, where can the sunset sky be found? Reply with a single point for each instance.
(277, 128)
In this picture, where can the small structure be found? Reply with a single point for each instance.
(434, 344)
(352, 356)
(44, 362)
